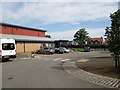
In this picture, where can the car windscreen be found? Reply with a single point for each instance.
(8, 46)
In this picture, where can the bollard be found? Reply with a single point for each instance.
(32, 55)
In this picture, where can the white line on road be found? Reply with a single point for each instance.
(83, 60)
(48, 59)
(64, 60)
(57, 59)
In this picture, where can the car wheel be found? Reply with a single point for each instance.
(39, 52)
(47, 53)
(59, 52)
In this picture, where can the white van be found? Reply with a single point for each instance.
(7, 48)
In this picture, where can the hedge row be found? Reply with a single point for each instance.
(91, 46)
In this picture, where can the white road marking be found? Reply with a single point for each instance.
(57, 59)
(25, 58)
(83, 60)
(64, 60)
(48, 59)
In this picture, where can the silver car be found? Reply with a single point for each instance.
(59, 50)
(46, 51)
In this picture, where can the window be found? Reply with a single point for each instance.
(8, 46)
(49, 45)
(43, 45)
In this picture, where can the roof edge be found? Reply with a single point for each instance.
(19, 26)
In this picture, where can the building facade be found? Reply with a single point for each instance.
(27, 39)
(61, 43)
(96, 40)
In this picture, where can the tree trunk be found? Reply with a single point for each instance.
(118, 69)
(116, 63)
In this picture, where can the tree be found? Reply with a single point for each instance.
(81, 36)
(113, 37)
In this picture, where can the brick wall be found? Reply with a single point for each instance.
(21, 31)
(6, 30)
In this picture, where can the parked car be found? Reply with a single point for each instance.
(86, 49)
(66, 50)
(59, 50)
(62, 50)
(46, 51)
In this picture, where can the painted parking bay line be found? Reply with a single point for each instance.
(83, 60)
(64, 60)
(48, 59)
(57, 59)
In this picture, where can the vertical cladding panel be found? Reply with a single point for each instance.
(20, 47)
(41, 34)
(29, 47)
(20, 31)
(6, 30)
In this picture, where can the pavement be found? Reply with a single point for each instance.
(45, 71)
(23, 55)
(71, 68)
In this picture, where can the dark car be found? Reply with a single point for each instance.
(86, 49)
(46, 51)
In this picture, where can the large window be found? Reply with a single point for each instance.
(8, 46)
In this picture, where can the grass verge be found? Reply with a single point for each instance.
(78, 49)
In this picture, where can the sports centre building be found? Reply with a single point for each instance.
(27, 39)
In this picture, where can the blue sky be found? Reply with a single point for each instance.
(61, 19)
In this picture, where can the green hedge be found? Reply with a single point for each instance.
(78, 49)
(98, 46)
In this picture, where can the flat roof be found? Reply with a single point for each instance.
(24, 27)
(61, 40)
(21, 38)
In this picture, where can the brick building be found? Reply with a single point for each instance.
(27, 39)
(96, 40)
(61, 43)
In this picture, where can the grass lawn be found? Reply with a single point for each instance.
(78, 49)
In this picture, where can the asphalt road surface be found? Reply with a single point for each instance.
(44, 71)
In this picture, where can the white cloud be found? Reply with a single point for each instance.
(58, 12)
(98, 32)
(69, 34)
(59, 1)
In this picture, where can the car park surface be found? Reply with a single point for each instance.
(44, 71)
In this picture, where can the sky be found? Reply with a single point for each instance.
(61, 18)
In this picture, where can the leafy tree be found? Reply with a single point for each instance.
(113, 37)
(81, 36)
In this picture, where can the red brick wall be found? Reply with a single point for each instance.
(41, 34)
(21, 31)
(6, 30)
(0, 29)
